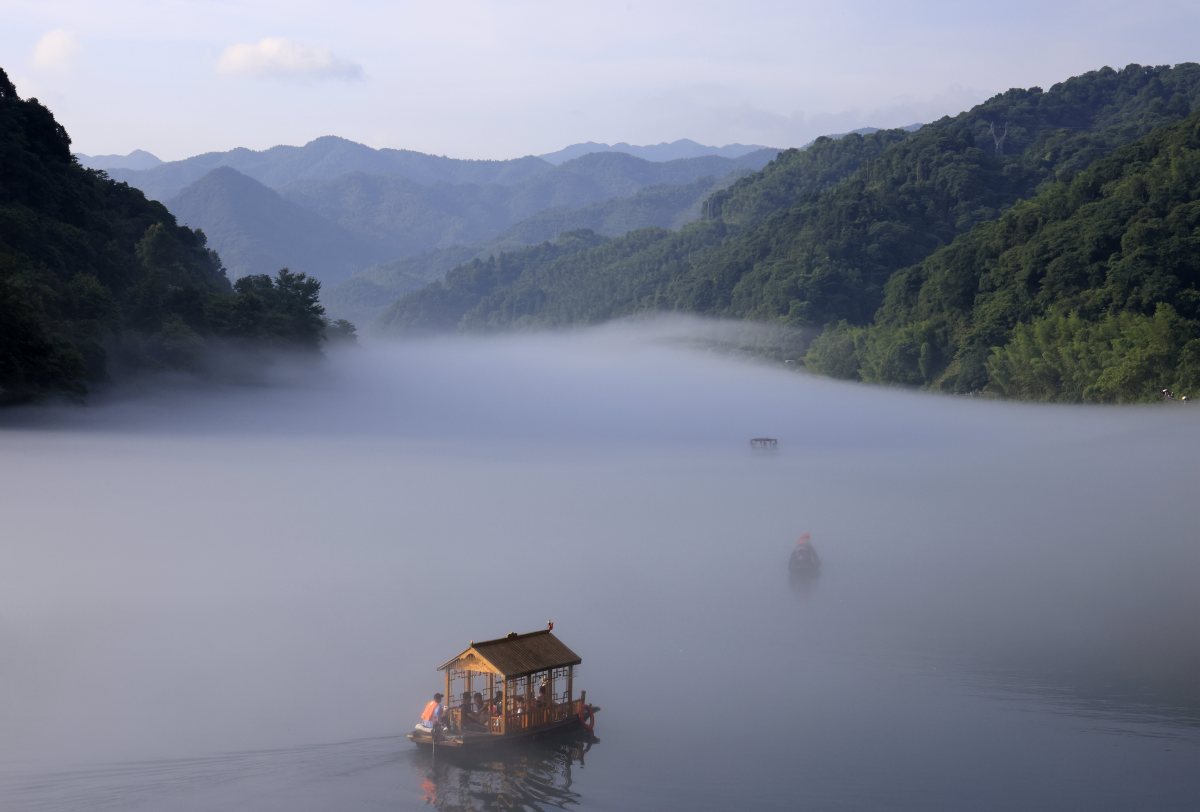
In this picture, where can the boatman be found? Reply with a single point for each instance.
(805, 555)
(431, 717)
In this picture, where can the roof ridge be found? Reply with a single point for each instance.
(510, 636)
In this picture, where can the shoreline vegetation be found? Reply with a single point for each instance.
(99, 284)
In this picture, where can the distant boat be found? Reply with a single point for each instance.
(804, 561)
(764, 443)
(528, 685)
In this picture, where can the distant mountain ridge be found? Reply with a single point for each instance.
(138, 159)
(326, 158)
(368, 218)
(674, 150)
(330, 157)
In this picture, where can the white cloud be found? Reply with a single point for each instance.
(278, 58)
(56, 51)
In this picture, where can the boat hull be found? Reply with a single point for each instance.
(482, 740)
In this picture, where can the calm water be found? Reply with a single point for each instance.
(238, 599)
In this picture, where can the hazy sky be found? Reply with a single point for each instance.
(495, 79)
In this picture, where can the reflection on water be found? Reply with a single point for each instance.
(531, 776)
(803, 582)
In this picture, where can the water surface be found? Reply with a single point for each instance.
(237, 598)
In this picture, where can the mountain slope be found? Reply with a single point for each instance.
(97, 282)
(645, 269)
(257, 231)
(1090, 290)
(366, 295)
(811, 252)
(828, 257)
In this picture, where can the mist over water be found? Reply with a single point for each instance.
(238, 597)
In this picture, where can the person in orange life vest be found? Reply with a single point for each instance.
(431, 717)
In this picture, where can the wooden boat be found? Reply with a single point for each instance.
(764, 443)
(528, 681)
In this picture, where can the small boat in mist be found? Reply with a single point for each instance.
(520, 686)
(764, 443)
(804, 562)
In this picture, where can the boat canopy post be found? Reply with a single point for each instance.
(570, 684)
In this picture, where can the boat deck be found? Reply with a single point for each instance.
(475, 739)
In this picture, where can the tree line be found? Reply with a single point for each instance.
(97, 282)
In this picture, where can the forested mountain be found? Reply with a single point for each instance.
(333, 228)
(814, 238)
(683, 148)
(95, 280)
(254, 228)
(637, 276)
(668, 206)
(366, 295)
(1088, 291)
(828, 257)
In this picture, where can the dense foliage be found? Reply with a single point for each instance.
(95, 279)
(1088, 291)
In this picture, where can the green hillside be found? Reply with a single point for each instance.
(638, 271)
(816, 238)
(1088, 291)
(97, 282)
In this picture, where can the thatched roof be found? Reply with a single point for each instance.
(515, 655)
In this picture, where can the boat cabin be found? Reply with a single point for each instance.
(527, 684)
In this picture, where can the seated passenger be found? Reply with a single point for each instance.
(471, 718)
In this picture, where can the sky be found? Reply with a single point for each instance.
(505, 78)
